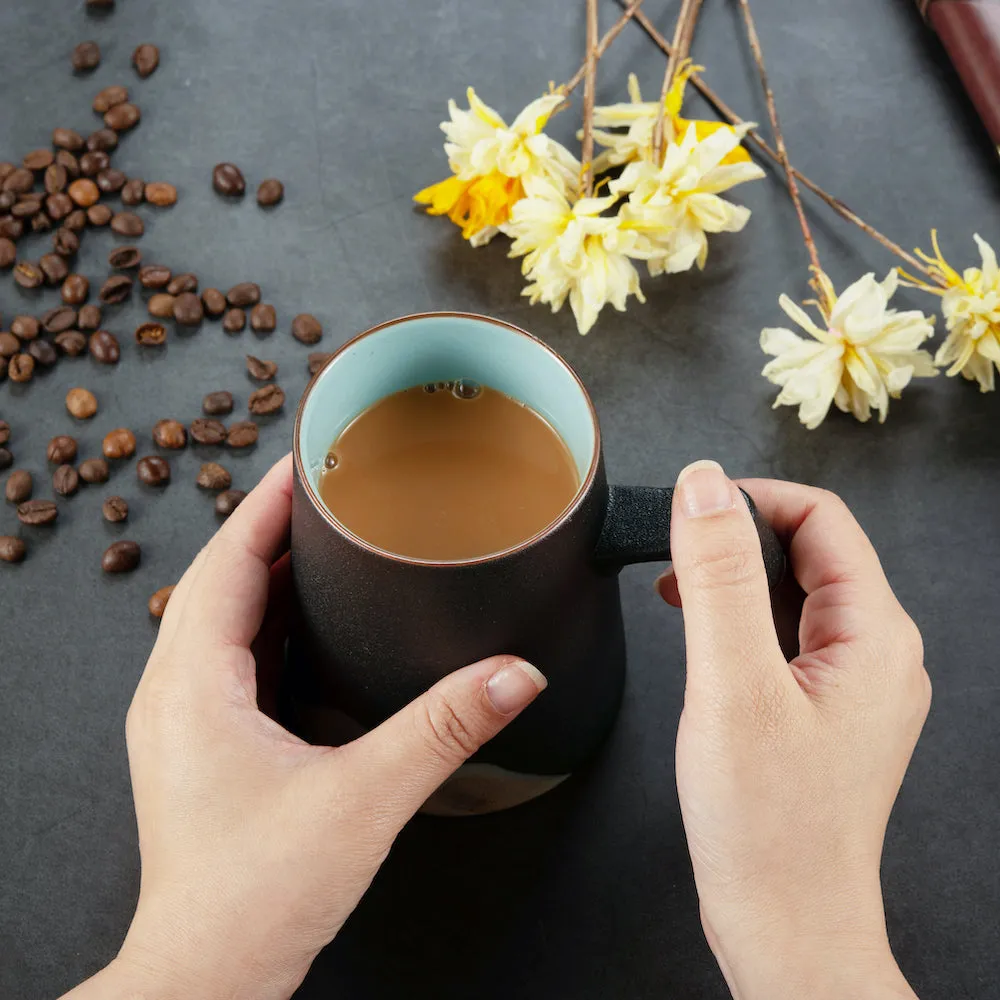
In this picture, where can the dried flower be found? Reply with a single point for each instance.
(863, 353)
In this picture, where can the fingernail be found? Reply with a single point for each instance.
(514, 686)
(703, 490)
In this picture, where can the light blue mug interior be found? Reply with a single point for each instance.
(437, 348)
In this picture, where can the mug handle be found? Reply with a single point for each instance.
(637, 530)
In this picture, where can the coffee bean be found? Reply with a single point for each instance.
(262, 371)
(125, 257)
(270, 192)
(109, 98)
(121, 557)
(4, 432)
(20, 181)
(71, 342)
(228, 180)
(183, 283)
(207, 431)
(28, 275)
(145, 59)
(55, 178)
(37, 159)
(226, 503)
(263, 318)
(134, 191)
(43, 352)
(65, 242)
(8, 253)
(25, 327)
(65, 480)
(158, 602)
(119, 443)
(53, 267)
(76, 221)
(306, 328)
(169, 434)
(104, 140)
(86, 56)
(84, 192)
(74, 291)
(93, 162)
(188, 310)
(317, 360)
(12, 550)
(114, 509)
(37, 512)
(69, 163)
(122, 117)
(7, 200)
(111, 180)
(6, 459)
(213, 476)
(116, 288)
(20, 368)
(19, 486)
(62, 448)
(4, 365)
(161, 194)
(218, 403)
(150, 334)
(89, 318)
(104, 347)
(154, 276)
(94, 470)
(99, 215)
(244, 294)
(127, 224)
(213, 301)
(27, 207)
(68, 139)
(234, 320)
(9, 346)
(11, 228)
(58, 206)
(59, 319)
(161, 306)
(40, 223)
(153, 470)
(81, 403)
(241, 434)
(6, 169)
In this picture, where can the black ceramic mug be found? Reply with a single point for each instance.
(377, 629)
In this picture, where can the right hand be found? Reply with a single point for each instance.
(787, 772)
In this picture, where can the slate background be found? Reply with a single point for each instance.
(586, 893)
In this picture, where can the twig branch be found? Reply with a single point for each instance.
(609, 36)
(683, 36)
(589, 80)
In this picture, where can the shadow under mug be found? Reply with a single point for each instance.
(377, 629)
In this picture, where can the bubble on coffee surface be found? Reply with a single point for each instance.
(465, 388)
(330, 462)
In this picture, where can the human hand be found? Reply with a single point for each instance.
(787, 772)
(255, 846)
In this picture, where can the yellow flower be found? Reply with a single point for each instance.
(572, 251)
(863, 354)
(489, 161)
(971, 305)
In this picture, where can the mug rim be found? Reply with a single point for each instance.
(317, 501)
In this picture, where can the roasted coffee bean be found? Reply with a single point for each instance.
(89, 318)
(241, 434)
(161, 306)
(116, 288)
(74, 291)
(25, 327)
(84, 192)
(158, 602)
(69, 162)
(62, 448)
(121, 557)
(109, 98)
(19, 486)
(188, 310)
(122, 117)
(4, 365)
(6, 459)
(37, 159)
(4, 432)
(99, 215)
(316, 361)
(65, 242)
(218, 403)
(244, 294)
(11, 228)
(37, 512)
(234, 320)
(125, 257)
(270, 192)
(134, 192)
(119, 443)
(40, 223)
(58, 206)
(81, 403)
(20, 181)
(43, 352)
(71, 342)
(262, 371)
(127, 224)
(182, 283)
(169, 434)
(86, 56)
(228, 180)
(266, 400)
(59, 319)
(65, 480)
(20, 368)
(13, 550)
(154, 276)
(7, 200)
(111, 180)
(153, 470)
(213, 301)
(145, 59)
(306, 328)
(56, 178)
(104, 347)
(9, 346)
(75, 222)
(6, 169)
(53, 267)
(161, 194)
(93, 162)
(115, 509)
(68, 139)
(263, 318)
(150, 334)
(27, 207)
(104, 140)
(94, 470)
(226, 503)
(8, 253)
(28, 275)
(207, 431)
(213, 476)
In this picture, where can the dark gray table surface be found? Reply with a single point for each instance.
(588, 892)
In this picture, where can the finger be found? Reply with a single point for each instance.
(405, 760)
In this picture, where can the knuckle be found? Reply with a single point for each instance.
(723, 563)
(830, 499)
(767, 706)
(446, 733)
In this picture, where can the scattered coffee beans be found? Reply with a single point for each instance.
(226, 503)
(8, 253)
(241, 434)
(121, 557)
(158, 602)
(228, 180)
(161, 194)
(115, 509)
(169, 434)
(109, 98)
(134, 192)
(66, 242)
(6, 459)
(213, 300)
(53, 267)
(58, 205)
(244, 294)
(104, 140)
(119, 443)
(154, 276)
(19, 486)
(28, 275)
(62, 448)
(116, 288)
(145, 59)
(25, 327)
(65, 480)
(316, 361)
(218, 403)
(262, 371)
(150, 334)
(263, 318)
(161, 306)
(55, 179)
(38, 159)
(71, 342)
(75, 289)
(188, 310)
(20, 181)
(59, 319)
(68, 139)
(13, 550)
(270, 192)
(86, 56)
(94, 470)
(81, 403)
(9, 345)
(213, 476)
(89, 318)
(111, 181)
(207, 431)
(182, 283)
(20, 368)
(122, 117)
(127, 224)
(4, 432)
(153, 470)
(37, 512)
(306, 328)
(43, 352)
(234, 320)
(84, 192)
(99, 215)
(104, 347)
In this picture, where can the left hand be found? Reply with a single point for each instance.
(256, 846)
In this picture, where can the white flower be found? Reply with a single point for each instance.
(864, 354)
(572, 251)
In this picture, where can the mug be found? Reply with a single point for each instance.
(375, 629)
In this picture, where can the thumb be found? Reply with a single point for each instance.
(406, 758)
(717, 562)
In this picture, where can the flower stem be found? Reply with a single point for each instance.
(589, 80)
(683, 36)
(606, 39)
